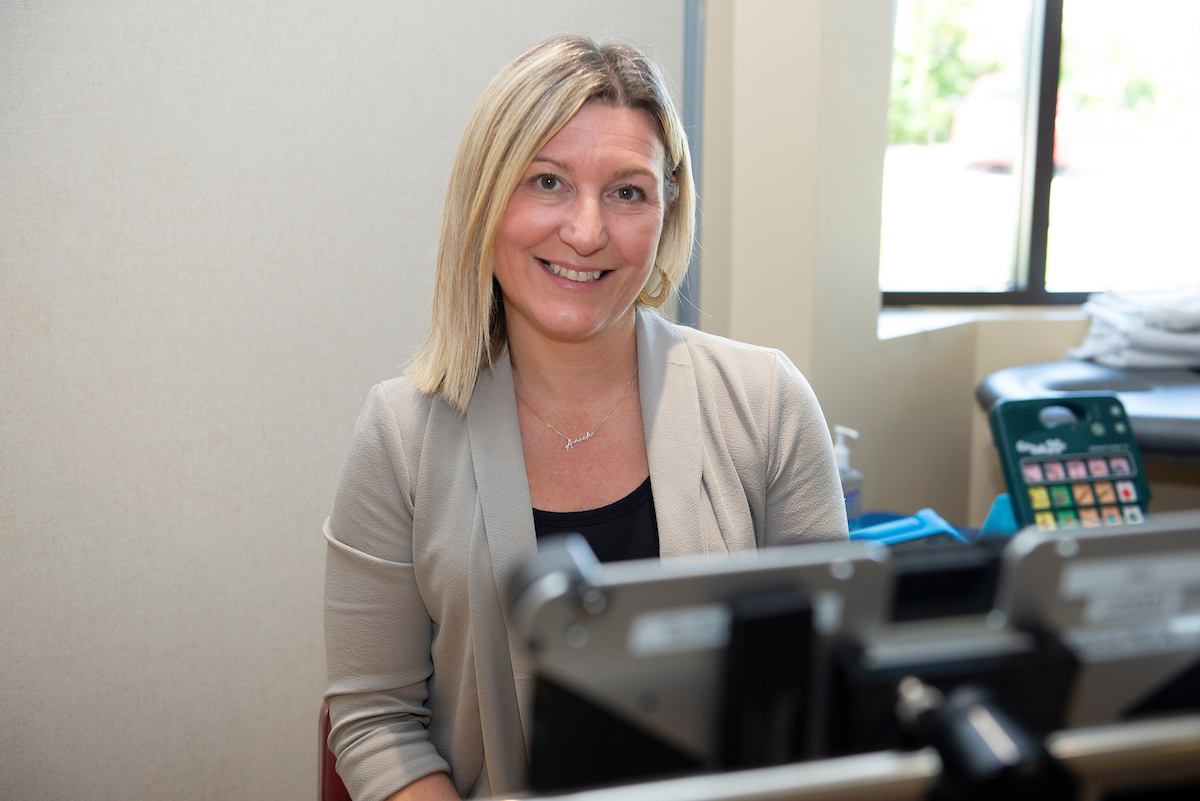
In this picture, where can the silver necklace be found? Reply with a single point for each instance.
(572, 442)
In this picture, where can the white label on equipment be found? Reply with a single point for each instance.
(1141, 602)
(1160, 572)
(692, 628)
(1097, 644)
(1137, 588)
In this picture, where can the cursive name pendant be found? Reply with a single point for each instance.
(572, 442)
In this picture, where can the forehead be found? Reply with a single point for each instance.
(604, 133)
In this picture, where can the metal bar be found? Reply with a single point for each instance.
(1117, 755)
(693, 123)
(890, 775)
(1019, 298)
(1043, 174)
(1025, 166)
(1131, 753)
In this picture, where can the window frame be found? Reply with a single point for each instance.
(1036, 177)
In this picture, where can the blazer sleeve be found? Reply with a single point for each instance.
(804, 492)
(377, 630)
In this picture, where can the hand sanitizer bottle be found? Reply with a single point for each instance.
(852, 480)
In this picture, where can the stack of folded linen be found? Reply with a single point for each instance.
(1143, 330)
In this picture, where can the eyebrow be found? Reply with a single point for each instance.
(622, 174)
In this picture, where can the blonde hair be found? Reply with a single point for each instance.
(521, 109)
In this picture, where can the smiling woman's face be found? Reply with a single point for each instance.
(581, 230)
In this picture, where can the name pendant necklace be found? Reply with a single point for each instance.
(572, 442)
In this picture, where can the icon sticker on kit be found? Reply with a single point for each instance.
(1133, 514)
(1089, 518)
(1067, 519)
(1077, 469)
(1039, 498)
(1060, 495)
(1127, 491)
(1098, 467)
(1111, 515)
(1032, 472)
(1120, 466)
(1105, 492)
(1054, 471)
(1083, 494)
(1045, 521)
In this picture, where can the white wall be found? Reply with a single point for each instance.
(217, 223)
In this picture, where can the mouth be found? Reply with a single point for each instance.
(585, 277)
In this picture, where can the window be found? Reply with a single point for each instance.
(990, 196)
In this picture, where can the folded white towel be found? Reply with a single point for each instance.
(1176, 310)
(1143, 330)
(1134, 359)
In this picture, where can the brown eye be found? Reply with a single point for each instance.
(547, 182)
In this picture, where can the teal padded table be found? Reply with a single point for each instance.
(1163, 405)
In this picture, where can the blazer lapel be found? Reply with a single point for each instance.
(503, 488)
(671, 419)
(499, 465)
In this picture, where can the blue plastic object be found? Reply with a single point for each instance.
(924, 523)
(1001, 522)
(875, 518)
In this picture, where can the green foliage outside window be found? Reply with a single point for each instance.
(931, 70)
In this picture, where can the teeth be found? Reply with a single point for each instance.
(584, 277)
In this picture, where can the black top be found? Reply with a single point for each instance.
(625, 529)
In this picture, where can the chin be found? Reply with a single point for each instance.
(584, 326)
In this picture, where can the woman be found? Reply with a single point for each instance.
(546, 392)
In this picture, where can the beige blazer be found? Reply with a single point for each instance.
(433, 514)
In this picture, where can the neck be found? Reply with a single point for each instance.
(576, 373)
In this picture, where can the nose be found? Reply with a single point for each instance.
(585, 228)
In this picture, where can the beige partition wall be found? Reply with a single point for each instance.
(795, 132)
(217, 223)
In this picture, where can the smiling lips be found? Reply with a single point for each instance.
(584, 277)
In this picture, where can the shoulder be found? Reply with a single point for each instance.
(676, 343)
(403, 401)
(721, 353)
(719, 363)
(755, 386)
(398, 407)
(399, 418)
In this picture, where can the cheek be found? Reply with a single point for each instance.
(523, 225)
(511, 229)
(641, 239)
(515, 224)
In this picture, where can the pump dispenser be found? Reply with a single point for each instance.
(852, 480)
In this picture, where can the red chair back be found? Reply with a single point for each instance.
(329, 783)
